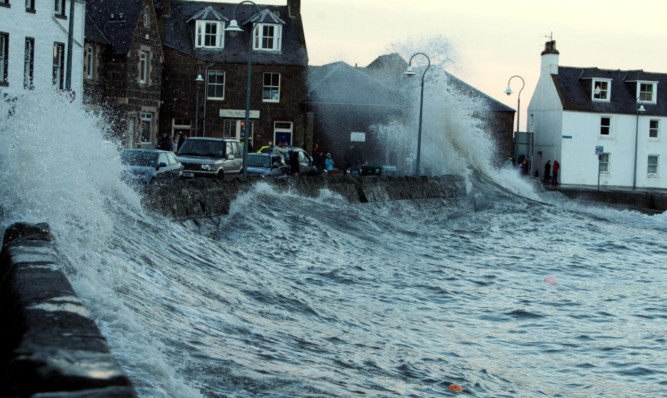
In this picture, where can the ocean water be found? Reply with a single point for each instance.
(293, 296)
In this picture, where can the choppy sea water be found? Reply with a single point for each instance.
(313, 297)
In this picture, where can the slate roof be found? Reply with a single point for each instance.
(464, 88)
(113, 22)
(179, 34)
(341, 84)
(574, 87)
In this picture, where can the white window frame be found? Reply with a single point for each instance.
(283, 127)
(182, 125)
(143, 66)
(146, 17)
(603, 126)
(604, 87)
(646, 95)
(4, 58)
(146, 117)
(90, 61)
(212, 84)
(201, 34)
(654, 128)
(59, 65)
(271, 91)
(59, 9)
(605, 162)
(655, 165)
(265, 40)
(29, 64)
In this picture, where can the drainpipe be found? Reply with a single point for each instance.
(203, 134)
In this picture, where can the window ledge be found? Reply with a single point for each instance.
(5, 5)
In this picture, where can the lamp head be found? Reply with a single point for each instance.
(199, 79)
(641, 109)
(409, 72)
(509, 91)
(233, 28)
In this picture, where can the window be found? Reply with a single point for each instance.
(652, 167)
(89, 65)
(4, 3)
(233, 128)
(146, 17)
(605, 125)
(601, 90)
(267, 37)
(29, 64)
(30, 5)
(282, 132)
(215, 87)
(654, 128)
(271, 91)
(146, 127)
(646, 92)
(4, 58)
(209, 34)
(143, 67)
(59, 65)
(60, 8)
(604, 163)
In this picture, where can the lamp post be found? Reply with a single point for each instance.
(639, 109)
(509, 91)
(410, 73)
(198, 82)
(234, 29)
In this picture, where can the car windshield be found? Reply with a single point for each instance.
(139, 158)
(206, 148)
(259, 161)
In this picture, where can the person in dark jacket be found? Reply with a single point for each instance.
(547, 171)
(556, 168)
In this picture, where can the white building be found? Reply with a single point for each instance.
(34, 45)
(573, 111)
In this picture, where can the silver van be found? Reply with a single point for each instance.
(211, 157)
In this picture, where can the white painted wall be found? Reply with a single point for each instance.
(46, 29)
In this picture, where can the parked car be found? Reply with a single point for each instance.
(266, 165)
(211, 157)
(306, 166)
(149, 166)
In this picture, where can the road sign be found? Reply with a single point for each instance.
(599, 150)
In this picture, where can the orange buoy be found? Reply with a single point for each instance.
(456, 387)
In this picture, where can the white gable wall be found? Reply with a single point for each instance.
(545, 121)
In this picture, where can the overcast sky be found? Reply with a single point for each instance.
(490, 40)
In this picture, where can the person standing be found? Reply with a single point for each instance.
(329, 164)
(556, 168)
(547, 171)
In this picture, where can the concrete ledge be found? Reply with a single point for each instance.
(645, 201)
(52, 347)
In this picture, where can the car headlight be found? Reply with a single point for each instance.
(206, 167)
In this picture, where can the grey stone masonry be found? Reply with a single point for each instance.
(51, 346)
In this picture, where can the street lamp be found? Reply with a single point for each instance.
(410, 73)
(198, 82)
(639, 109)
(234, 29)
(509, 91)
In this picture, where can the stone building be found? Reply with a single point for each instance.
(123, 68)
(197, 45)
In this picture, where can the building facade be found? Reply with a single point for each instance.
(123, 68)
(604, 127)
(204, 90)
(34, 37)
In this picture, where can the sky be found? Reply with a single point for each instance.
(489, 41)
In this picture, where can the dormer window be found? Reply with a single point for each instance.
(647, 92)
(267, 37)
(601, 90)
(210, 34)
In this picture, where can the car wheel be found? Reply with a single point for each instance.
(220, 176)
(152, 181)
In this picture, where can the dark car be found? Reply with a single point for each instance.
(266, 165)
(304, 161)
(211, 157)
(149, 166)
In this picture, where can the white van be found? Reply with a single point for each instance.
(211, 157)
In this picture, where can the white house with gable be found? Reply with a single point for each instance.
(34, 36)
(603, 126)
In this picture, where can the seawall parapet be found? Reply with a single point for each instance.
(51, 346)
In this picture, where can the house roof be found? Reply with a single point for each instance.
(464, 88)
(113, 22)
(574, 86)
(341, 84)
(179, 33)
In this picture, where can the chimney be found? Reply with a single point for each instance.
(550, 58)
(294, 7)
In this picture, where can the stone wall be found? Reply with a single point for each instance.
(202, 197)
(50, 344)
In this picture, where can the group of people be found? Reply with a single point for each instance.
(551, 172)
(167, 143)
(325, 162)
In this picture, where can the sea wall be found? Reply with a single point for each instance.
(51, 347)
(195, 198)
